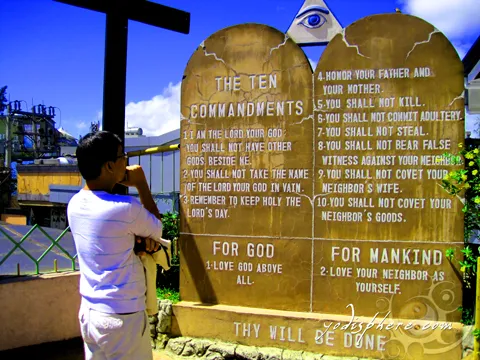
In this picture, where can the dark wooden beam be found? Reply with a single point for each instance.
(143, 11)
(114, 78)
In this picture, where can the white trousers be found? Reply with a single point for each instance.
(115, 337)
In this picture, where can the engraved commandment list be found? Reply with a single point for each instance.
(310, 191)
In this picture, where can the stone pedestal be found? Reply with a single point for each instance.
(335, 335)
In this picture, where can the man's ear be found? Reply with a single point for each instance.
(109, 166)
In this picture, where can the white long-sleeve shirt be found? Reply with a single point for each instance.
(104, 226)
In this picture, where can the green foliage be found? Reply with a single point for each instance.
(171, 229)
(170, 222)
(169, 294)
(468, 315)
(469, 264)
(169, 280)
(464, 183)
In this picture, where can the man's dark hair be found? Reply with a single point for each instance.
(94, 150)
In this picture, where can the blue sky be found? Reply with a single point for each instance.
(54, 53)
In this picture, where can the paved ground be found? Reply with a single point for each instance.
(160, 356)
(64, 350)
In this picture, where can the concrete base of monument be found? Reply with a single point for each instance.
(182, 348)
(313, 333)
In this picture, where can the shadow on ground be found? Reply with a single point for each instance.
(62, 350)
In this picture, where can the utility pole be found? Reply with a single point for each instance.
(8, 136)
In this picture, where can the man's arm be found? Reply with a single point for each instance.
(144, 223)
(146, 198)
(147, 201)
(136, 177)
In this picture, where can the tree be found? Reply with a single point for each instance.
(3, 99)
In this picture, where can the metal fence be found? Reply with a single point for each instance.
(35, 250)
(162, 169)
(28, 250)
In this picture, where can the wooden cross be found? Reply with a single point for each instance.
(115, 73)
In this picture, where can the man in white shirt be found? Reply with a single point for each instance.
(113, 320)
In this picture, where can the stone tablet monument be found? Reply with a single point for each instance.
(312, 216)
(388, 106)
(247, 163)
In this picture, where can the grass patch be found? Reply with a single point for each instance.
(168, 294)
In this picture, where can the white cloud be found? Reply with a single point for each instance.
(460, 22)
(158, 115)
(313, 64)
(81, 125)
(456, 19)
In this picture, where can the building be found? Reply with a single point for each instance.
(44, 189)
(471, 64)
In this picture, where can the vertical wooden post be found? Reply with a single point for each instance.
(114, 83)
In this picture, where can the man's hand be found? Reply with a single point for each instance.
(150, 245)
(134, 176)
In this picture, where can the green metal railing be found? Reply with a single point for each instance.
(18, 245)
